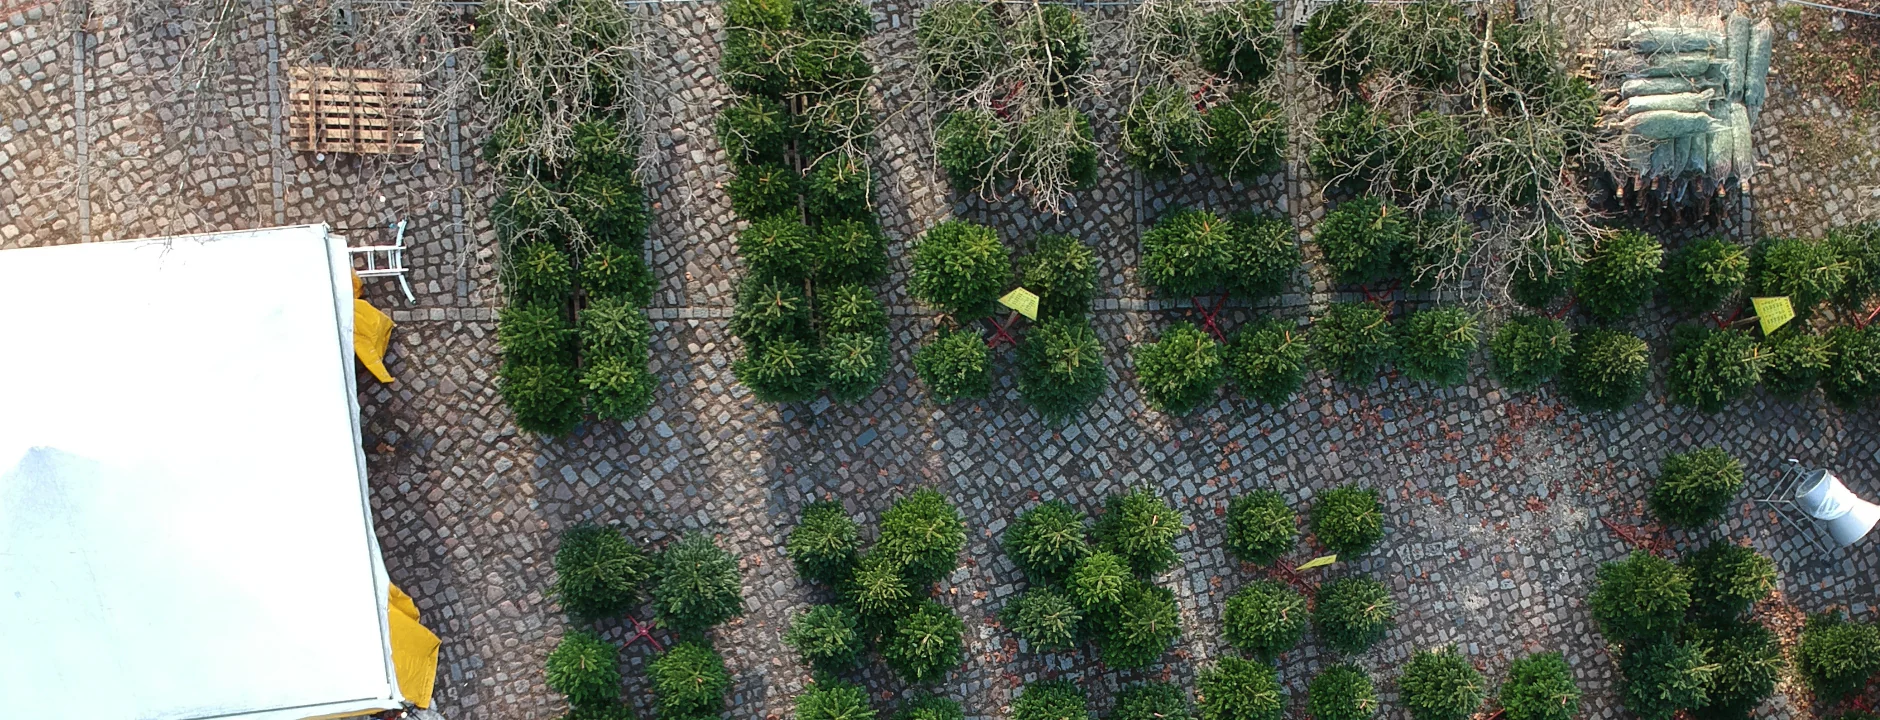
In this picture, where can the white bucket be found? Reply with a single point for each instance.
(1824, 498)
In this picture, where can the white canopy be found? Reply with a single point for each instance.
(184, 526)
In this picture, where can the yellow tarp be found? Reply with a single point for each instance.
(372, 332)
(414, 650)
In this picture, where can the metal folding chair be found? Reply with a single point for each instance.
(385, 261)
(1781, 498)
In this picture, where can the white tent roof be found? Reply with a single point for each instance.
(184, 526)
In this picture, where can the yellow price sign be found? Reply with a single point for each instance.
(1772, 312)
(1022, 300)
(1318, 562)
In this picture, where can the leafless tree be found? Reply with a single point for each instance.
(1480, 112)
(1026, 64)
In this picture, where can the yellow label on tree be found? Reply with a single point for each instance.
(1022, 300)
(1773, 312)
(1318, 562)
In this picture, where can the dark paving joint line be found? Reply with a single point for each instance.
(457, 245)
(81, 148)
(276, 130)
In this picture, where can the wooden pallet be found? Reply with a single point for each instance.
(356, 110)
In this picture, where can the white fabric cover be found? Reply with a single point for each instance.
(184, 527)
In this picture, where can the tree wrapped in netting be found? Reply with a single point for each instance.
(1180, 371)
(1694, 488)
(1353, 341)
(1528, 350)
(1606, 370)
(1060, 368)
(1712, 366)
(1267, 359)
(1260, 528)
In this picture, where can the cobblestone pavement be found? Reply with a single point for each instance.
(1498, 503)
